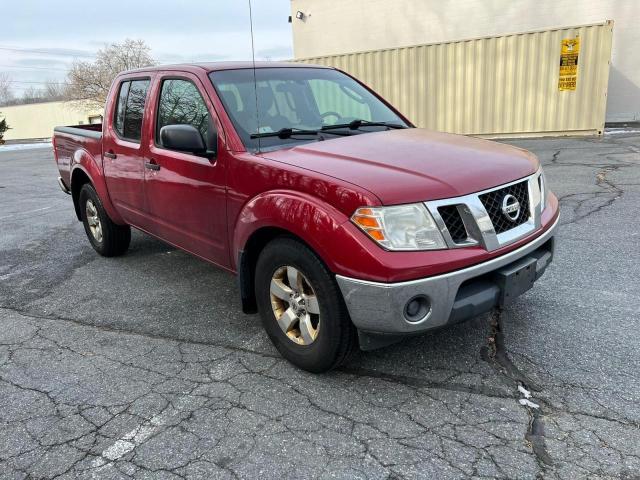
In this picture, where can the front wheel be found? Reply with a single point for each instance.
(107, 238)
(302, 308)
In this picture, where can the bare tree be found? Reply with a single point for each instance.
(32, 95)
(89, 82)
(6, 93)
(53, 90)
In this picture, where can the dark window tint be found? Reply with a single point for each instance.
(182, 104)
(130, 109)
(118, 121)
(135, 109)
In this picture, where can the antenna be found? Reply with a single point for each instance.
(255, 82)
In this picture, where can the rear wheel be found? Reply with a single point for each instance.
(107, 238)
(302, 308)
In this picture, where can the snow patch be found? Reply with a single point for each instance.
(620, 131)
(528, 403)
(12, 147)
(526, 393)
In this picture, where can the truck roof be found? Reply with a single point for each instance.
(215, 66)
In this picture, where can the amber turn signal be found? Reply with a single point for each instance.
(369, 222)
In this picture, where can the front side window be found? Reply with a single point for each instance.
(181, 104)
(130, 109)
(317, 99)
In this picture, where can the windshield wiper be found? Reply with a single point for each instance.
(356, 124)
(285, 133)
(289, 132)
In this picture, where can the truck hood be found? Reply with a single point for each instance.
(413, 165)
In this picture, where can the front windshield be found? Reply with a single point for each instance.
(299, 99)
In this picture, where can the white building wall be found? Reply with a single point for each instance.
(37, 120)
(342, 26)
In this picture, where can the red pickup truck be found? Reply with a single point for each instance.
(345, 225)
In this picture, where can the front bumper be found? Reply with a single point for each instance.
(379, 308)
(63, 186)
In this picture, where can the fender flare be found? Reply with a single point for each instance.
(300, 214)
(317, 224)
(85, 162)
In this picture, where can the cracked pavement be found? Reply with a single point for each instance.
(144, 367)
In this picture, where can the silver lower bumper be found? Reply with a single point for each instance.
(63, 187)
(380, 307)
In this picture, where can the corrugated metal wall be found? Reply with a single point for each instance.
(494, 86)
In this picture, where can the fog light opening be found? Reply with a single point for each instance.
(417, 308)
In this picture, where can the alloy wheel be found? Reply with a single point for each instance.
(295, 305)
(93, 220)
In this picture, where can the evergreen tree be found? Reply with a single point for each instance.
(3, 128)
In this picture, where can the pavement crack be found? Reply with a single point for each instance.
(421, 383)
(495, 353)
(535, 436)
(586, 204)
(103, 328)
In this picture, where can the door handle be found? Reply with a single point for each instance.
(152, 165)
(110, 154)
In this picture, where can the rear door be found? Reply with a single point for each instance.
(185, 192)
(123, 149)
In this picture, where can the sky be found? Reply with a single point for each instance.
(40, 39)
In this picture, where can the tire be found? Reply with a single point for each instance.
(335, 336)
(106, 237)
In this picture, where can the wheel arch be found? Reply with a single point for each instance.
(282, 213)
(85, 169)
(248, 258)
(78, 178)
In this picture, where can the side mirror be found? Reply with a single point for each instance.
(183, 138)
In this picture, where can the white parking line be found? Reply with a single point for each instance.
(28, 211)
(129, 441)
(134, 438)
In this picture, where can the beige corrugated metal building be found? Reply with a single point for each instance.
(37, 120)
(493, 86)
(343, 26)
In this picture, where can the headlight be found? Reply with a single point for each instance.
(542, 183)
(402, 227)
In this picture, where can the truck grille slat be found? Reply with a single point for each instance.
(453, 221)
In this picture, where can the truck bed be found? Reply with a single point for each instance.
(71, 142)
(93, 130)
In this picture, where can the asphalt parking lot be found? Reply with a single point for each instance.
(142, 366)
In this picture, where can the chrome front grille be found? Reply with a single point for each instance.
(478, 218)
(492, 201)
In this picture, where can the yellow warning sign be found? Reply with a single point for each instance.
(569, 64)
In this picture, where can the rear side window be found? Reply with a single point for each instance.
(181, 104)
(130, 109)
(118, 122)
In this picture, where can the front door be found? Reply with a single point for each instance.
(185, 192)
(123, 156)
